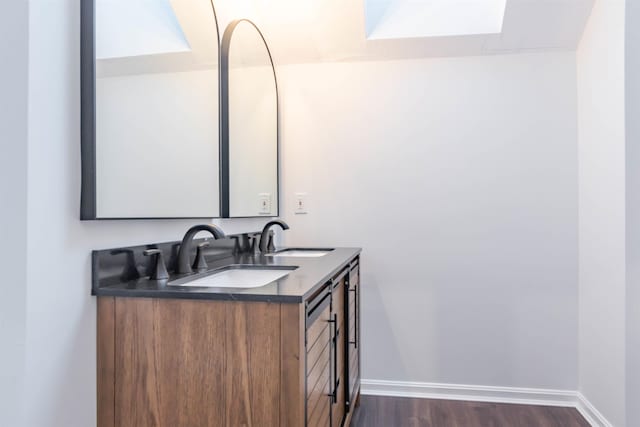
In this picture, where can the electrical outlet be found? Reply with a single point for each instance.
(301, 203)
(264, 200)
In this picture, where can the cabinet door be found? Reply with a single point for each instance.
(339, 392)
(319, 363)
(353, 335)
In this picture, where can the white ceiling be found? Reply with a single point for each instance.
(301, 31)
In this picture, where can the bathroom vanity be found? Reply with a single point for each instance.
(222, 334)
(282, 354)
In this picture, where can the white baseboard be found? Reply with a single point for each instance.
(526, 396)
(590, 413)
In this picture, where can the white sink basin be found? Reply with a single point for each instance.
(236, 278)
(301, 253)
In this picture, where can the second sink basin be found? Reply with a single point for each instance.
(301, 253)
(236, 276)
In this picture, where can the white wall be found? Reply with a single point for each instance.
(632, 94)
(458, 176)
(60, 319)
(14, 31)
(601, 153)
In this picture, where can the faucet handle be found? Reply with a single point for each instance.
(236, 245)
(271, 247)
(130, 271)
(248, 242)
(200, 263)
(255, 241)
(159, 270)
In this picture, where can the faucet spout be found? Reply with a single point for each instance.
(184, 254)
(264, 237)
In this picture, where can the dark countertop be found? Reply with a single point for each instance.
(299, 285)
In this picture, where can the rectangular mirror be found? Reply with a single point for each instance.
(150, 109)
(249, 124)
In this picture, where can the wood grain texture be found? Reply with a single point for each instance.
(348, 420)
(318, 347)
(168, 372)
(376, 411)
(292, 365)
(196, 363)
(106, 361)
(320, 390)
(253, 364)
(318, 368)
(317, 327)
(320, 416)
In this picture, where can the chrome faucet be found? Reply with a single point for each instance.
(184, 255)
(266, 243)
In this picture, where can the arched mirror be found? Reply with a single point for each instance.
(249, 124)
(150, 109)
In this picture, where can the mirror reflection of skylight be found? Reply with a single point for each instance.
(126, 28)
(394, 19)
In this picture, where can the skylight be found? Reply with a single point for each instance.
(126, 28)
(395, 19)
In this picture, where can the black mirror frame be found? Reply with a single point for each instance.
(88, 208)
(224, 120)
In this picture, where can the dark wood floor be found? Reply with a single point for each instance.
(377, 411)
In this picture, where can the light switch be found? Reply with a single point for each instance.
(264, 200)
(301, 203)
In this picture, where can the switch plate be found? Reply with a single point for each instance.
(264, 203)
(301, 203)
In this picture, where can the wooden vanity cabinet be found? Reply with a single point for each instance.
(184, 362)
